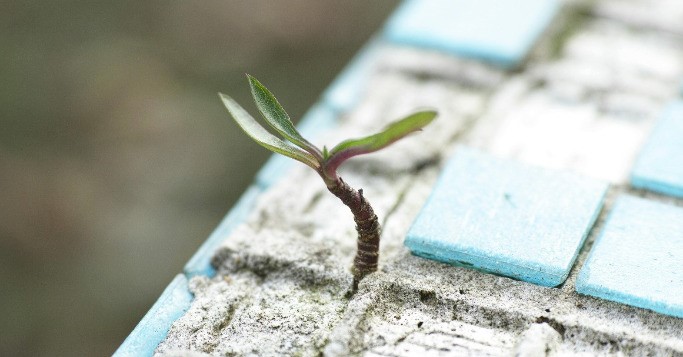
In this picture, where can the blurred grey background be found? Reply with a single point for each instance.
(116, 157)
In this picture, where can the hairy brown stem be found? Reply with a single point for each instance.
(367, 226)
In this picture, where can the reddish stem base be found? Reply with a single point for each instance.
(367, 226)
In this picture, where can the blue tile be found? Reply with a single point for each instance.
(503, 217)
(637, 258)
(347, 89)
(317, 120)
(200, 263)
(153, 328)
(659, 166)
(497, 31)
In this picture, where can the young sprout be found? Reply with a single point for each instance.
(325, 162)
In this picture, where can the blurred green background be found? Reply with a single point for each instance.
(116, 157)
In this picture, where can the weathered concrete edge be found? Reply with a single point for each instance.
(154, 326)
(176, 298)
(200, 263)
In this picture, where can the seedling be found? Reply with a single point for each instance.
(325, 162)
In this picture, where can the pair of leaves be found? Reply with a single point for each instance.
(278, 119)
(324, 162)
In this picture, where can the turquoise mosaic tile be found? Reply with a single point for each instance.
(659, 167)
(498, 31)
(503, 217)
(637, 260)
(152, 329)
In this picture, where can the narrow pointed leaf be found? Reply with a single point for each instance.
(386, 137)
(393, 132)
(263, 137)
(277, 118)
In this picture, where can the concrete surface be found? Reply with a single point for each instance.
(584, 101)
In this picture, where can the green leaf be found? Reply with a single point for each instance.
(277, 118)
(393, 132)
(263, 137)
(386, 137)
